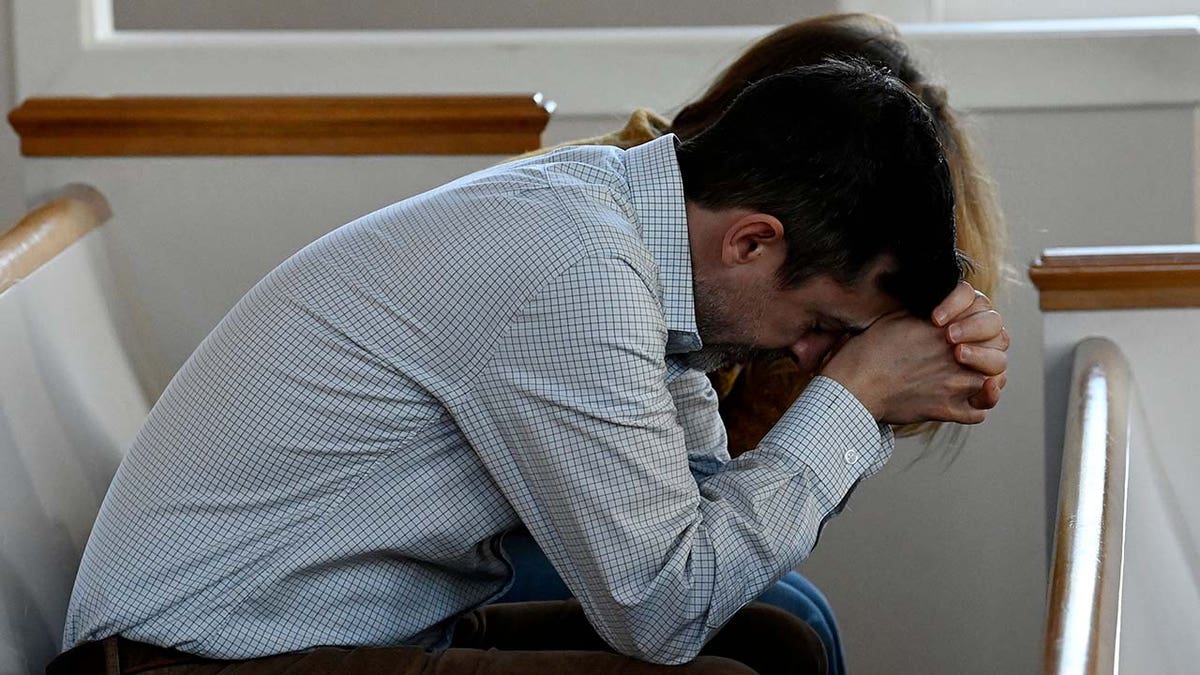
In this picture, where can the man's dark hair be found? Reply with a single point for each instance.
(849, 161)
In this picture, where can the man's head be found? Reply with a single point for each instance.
(820, 198)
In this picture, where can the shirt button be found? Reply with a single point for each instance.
(851, 457)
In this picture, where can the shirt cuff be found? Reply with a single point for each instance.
(831, 433)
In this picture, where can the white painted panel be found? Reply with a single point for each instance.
(69, 406)
(42, 536)
(1160, 593)
(1161, 346)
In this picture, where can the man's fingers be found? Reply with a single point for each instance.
(956, 303)
(981, 359)
(1000, 342)
(989, 395)
(978, 327)
(973, 416)
(963, 413)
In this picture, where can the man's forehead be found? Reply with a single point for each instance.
(854, 324)
(869, 302)
(847, 324)
(860, 307)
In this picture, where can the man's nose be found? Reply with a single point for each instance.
(811, 350)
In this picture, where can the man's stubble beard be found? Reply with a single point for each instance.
(726, 320)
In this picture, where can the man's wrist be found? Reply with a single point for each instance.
(857, 387)
(812, 418)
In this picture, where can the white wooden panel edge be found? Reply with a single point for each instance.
(68, 47)
(69, 407)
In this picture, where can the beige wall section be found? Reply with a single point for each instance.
(433, 14)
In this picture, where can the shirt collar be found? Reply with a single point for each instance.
(656, 191)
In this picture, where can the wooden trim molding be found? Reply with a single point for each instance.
(1118, 277)
(1085, 576)
(48, 229)
(280, 125)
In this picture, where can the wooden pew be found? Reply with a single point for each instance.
(1085, 577)
(69, 405)
(1124, 592)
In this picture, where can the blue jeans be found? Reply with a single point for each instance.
(535, 579)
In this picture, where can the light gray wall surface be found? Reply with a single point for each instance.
(454, 14)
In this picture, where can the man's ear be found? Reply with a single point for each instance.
(751, 237)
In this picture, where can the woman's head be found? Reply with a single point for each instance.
(877, 41)
(804, 43)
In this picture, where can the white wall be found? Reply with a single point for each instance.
(1090, 133)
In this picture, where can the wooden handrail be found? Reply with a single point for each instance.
(1125, 277)
(280, 125)
(1085, 577)
(48, 229)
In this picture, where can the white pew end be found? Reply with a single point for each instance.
(69, 405)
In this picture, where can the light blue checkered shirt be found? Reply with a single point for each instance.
(338, 461)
